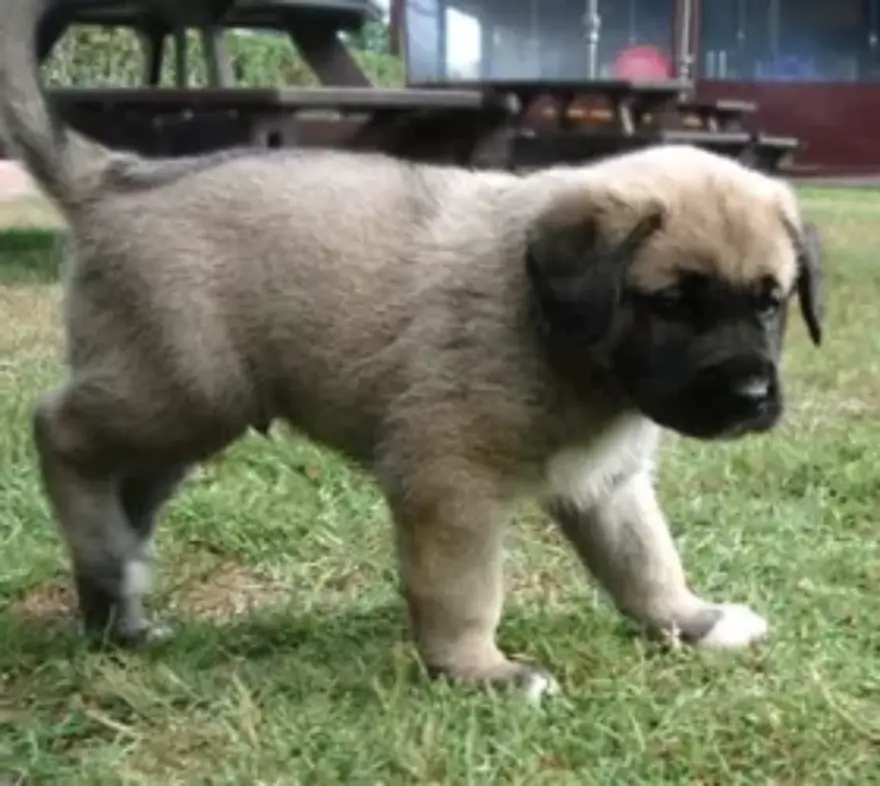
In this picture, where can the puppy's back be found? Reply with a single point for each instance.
(290, 274)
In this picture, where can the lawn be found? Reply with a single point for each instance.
(292, 665)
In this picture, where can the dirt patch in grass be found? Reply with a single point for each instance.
(216, 592)
(48, 602)
(225, 590)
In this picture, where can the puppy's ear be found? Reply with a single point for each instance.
(810, 283)
(576, 273)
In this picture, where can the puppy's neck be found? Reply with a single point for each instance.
(589, 390)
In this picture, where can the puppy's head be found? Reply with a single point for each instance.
(674, 268)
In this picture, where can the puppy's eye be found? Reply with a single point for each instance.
(669, 303)
(768, 304)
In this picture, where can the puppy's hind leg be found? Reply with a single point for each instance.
(450, 533)
(106, 520)
(623, 539)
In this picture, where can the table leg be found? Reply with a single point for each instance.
(50, 32)
(326, 55)
(217, 58)
(492, 150)
(624, 113)
(153, 46)
(181, 57)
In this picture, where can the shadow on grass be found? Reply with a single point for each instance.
(30, 256)
(325, 637)
(345, 648)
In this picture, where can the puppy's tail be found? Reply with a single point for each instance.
(65, 164)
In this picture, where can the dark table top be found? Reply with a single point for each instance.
(346, 14)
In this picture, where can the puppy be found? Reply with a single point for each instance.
(468, 338)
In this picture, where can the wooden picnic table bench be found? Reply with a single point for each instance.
(421, 124)
(773, 152)
(730, 143)
(546, 148)
(465, 126)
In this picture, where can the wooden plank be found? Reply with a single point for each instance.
(705, 138)
(735, 105)
(778, 142)
(346, 98)
(726, 106)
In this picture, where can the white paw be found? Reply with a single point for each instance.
(159, 633)
(738, 626)
(539, 684)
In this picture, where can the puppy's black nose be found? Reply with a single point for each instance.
(752, 390)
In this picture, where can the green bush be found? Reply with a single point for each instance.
(96, 56)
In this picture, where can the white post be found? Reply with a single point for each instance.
(685, 56)
(593, 24)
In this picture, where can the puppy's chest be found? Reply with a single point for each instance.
(585, 472)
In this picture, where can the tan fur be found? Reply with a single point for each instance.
(383, 310)
(738, 242)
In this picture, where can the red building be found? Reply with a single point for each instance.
(812, 66)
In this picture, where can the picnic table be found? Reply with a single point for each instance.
(579, 120)
(346, 110)
(504, 127)
(575, 121)
(765, 151)
(174, 121)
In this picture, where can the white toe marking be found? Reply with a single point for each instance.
(540, 685)
(739, 626)
(160, 633)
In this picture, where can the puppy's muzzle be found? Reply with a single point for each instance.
(743, 393)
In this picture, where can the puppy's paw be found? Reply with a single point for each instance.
(144, 636)
(529, 680)
(152, 635)
(724, 626)
(737, 626)
(535, 683)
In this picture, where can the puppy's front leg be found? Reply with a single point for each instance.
(624, 540)
(449, 540)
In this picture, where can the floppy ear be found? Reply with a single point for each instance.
(810, 284)
(577, 275)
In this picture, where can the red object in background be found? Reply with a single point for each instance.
(642, 62)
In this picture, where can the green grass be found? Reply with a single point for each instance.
(293, 665)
